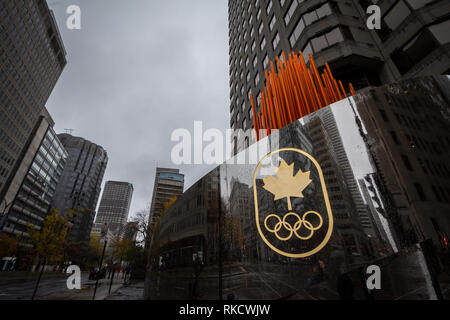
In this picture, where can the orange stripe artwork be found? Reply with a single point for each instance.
(294, 91)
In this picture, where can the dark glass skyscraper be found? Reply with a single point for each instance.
(80, 184)
(412, 42)
(32, 58)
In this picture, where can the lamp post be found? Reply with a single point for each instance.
(99, 268)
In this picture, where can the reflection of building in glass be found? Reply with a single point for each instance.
(169, 183)
(189, 224)
(376, 208)
(351, 220)
(412, 41)
(114, 206)
(334, 143)
(241, 207)
(46, 158)
(79, 187)
(408, 130)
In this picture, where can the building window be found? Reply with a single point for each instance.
(307, 50)
(260, 29)
(440, 32)
(263, 43)
(321, 42)
(420, 191)
(255, 61)
(416, 49)
(436, 193)
(417, 4)
(394, 137)
(272, 23)
(253, 46)
(309, 18)
(266, 61)
(258, 15)
(257, 80)
(297, 32)
(397, 15)
(269, 6)
(290, 12)
(384, 115)
(243, 124)
(406, 162)
(275, 41)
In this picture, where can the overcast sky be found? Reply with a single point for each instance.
(137, 70)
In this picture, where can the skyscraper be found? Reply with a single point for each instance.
(79, 187)
(114, 206)
(34, 183)
(411, 42)
(168, 184)
(32, 58)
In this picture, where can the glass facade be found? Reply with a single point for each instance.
(347, 199)
(33, 200)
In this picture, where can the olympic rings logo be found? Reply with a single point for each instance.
(301, 221)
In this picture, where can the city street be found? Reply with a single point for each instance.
(20, 286)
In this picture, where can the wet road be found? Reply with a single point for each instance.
(53, 286)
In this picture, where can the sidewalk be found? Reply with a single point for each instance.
(133, 290)
(87, 291)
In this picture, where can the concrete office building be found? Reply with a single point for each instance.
(80, 185)
(114, 206)
(35, 180)
(412, 42)
(32, 58)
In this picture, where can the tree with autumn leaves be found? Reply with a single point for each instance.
(48, 241)
(8, 245)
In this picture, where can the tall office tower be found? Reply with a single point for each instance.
(114, 206)
(32, 58)
(34, 183)
(168, 184)
(412, 41)
(80, 184)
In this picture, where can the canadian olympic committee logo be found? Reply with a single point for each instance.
(291, 225)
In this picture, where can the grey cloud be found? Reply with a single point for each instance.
(138, 70)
